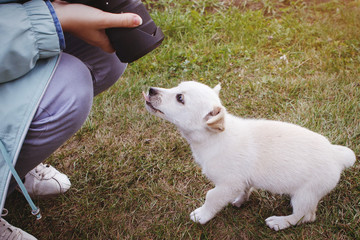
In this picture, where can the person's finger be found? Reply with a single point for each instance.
(127, 20)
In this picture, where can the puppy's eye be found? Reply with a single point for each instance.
(180, 98)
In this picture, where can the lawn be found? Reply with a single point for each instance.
(133, 175)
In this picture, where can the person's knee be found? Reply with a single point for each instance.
(62, 111)
(107, 73)
(68, 98)
(78, 94)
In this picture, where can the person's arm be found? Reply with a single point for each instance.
(89, 23)
(29, 31)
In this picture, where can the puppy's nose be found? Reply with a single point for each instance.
(152, 92)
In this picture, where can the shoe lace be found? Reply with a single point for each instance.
(4, 212)
(42, 170)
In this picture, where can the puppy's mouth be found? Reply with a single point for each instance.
(148, 103)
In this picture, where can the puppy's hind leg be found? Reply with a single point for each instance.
(216, 199)
(304, 205)
(242, 198)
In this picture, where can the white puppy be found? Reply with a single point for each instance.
(237, 154)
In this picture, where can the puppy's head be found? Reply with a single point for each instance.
(191, 106)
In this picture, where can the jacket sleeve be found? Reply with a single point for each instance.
(29, 32)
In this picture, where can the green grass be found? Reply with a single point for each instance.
(133, 176)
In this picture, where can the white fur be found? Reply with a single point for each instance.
(240, 154)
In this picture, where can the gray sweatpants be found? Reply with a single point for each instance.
(83, 72)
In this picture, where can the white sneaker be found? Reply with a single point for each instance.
(45, 181)
(8, 232)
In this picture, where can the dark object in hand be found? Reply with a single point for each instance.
(130, 44)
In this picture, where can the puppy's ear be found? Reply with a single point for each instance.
(217, 88)
(215, 119)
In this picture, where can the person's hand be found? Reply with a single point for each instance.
(89, 23)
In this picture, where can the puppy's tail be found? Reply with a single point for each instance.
(345, 156)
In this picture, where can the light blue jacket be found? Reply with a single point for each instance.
(30, 45)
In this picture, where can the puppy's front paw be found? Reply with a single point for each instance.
(277, 223)
(239, 201)
(201, 216)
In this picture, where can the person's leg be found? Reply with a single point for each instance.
(62, 111)
(105, 68)
(64, 107)
(67, 101)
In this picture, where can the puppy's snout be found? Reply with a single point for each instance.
(153, 92)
